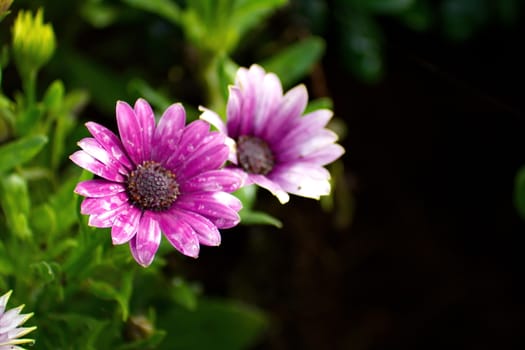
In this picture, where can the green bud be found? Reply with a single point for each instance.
(33, 41)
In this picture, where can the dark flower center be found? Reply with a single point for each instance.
(152, 187)
(254, 155)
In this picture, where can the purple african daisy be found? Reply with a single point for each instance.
(271, 142)
(10, 320)
(160, 178)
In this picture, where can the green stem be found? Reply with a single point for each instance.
(215, 100)
(29, 84)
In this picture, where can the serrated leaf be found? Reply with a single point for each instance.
(296, 61)
(20, 151)
(46, 271)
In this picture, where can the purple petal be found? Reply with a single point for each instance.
(326, 155)
(213, 180)
(309, 124)
(291, 107)
(95, 149)
(146, 241)
(192, 137)
(110, 142)
(146, 120)
(98, 188)
(213, 118)
(206, 231)
(126, 225)
(304, 180)
(267, 101)
(219, 207)
(233, 111)
(105, 219)
(97, 206)
(130, 132)
(271, 186)
(305, 144)
(168, 132)
(207, 157)
(179, 233)
(87, 162)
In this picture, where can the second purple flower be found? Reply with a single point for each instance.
(155, 179)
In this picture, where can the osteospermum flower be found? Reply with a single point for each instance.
(273, 144)
(163, 178)
(10, 320)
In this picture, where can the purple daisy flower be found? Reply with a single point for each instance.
(163, 178)
(10, 322)
(271, 142)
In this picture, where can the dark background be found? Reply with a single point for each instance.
(432, 258)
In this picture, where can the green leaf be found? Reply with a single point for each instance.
(121, 295)
(14, 199)
(249, 13)
(296, 61)
(519, 192)
(20, 151)
(46, 271)
(214, 324)
(362, 47)
(157, 99)
(384, 6)
(184, 294)
(461, 19)
(164, 8)
(54, 96)
(320, 103)
(249, 217)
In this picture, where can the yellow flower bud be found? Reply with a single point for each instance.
(33, 41)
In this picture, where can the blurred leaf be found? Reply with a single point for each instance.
(43, 220)
(46, 271)
(99, 14)
(247, 195)
(320, 103)
(20, 151)
(214, 324)
(105, 85)
(384, 6)
(167, 9)
(183, 294)
(152, 342)
(121, 295)
(462, 18)
(295, 62)
(519, 192)
(14, 199)
(249, 217)
(153, 96)
(249, 13)
(6, 266)
(361, 47)
(54, 96)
